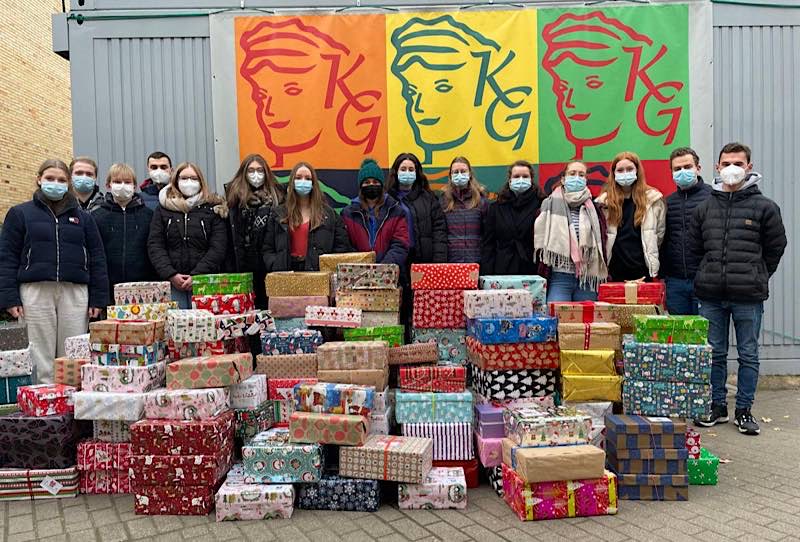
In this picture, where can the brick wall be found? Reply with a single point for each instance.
(35, 117)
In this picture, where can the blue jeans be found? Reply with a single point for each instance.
(747, 326)
(564, 287)
(184, 299)
(680, 296)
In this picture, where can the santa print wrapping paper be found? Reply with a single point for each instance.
(556, 500)
(173, 500)
(412, 407)
(513, 356)
(514, 384)
(140, 311)
(122, 379)
(693, 443)
(111, 430)
(667, 362)
(444, 276)
(438, 309)
(77, 346)
(209, 372)
(129, 293)
(366, 276)
(97, 455)
(594, 336)
(328, 398)
(45, 399)
(189, 470)
(287, 366)
(498, 304)
(16, 362)
(630, 431)
(13, 336)
(222, 283)
(536, 329)
(104, 482)
(295, 306)
(332, 316)
(192, 326)
(270, 458)
(125, 332)
(42, 483)
(249, 393)
(299, 341)
(10, 385)
(186, 404)
(224, 303)
(408, 354)
(248, 422)
(490, 450)
(329, 263)
(555, 426)
(632, 293)
(451, 441)
(535, 284)
(67, 371)
(672, 399)
(450, 342)
(440, 378)
(388, 457)
(341, 494)
(444, 488)
(106, 405)
(387, 300)
(392, 335)
(254, 502)
(176, 437)
(294, 283)
(343, 429)
(671, 329)
(343, 355)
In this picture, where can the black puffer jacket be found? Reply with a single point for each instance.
(741, 239)
(329, 237)
(507, 240)
(676, 259)
(428, 225)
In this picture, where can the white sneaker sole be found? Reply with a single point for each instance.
(745, 431)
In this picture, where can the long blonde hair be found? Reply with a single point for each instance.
(174, 192)
(240, 188)
(475, 189)
(615, 196)
(294, 217)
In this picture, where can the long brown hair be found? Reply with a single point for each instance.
(173, 190)
(475, 189)
(240, 188)
(615, 196)
(506, 194)
(421, 181)
(293, 215)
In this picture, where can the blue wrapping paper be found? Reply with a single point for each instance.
(433, 407)
(10, 385)
(690, 363)
(333, 398)
(451, 342)
(299, 341)
(673, 399)
(335, 493)
(538, 329)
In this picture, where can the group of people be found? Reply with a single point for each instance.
(714, 245)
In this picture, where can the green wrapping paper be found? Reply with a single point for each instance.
(222, 283)
(393, 335)
(703, 471)
(671, 329)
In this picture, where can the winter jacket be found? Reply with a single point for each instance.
(427, 224)
(40, 245)
(390, 241)
(149, 191)
(652, 229)
(246, 234)
(464, 227)
(124, 233)
(94, 201)
(329, 237)
(739, 238)
(676, 259)
(507, 240)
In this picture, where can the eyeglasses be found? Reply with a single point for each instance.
(188, 178)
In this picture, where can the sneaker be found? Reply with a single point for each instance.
(719, 414)
(746, 422)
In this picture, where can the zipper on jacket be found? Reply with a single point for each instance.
(124, 241)
(725, 243)
(185, 228)
(683, 232)
(85, 259)
(29, 259)
(203, 225)
(58, 247)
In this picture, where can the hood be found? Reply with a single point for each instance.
(752, 179)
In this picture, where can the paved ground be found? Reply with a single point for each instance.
(757, 499)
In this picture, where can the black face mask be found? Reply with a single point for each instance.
(371, 191)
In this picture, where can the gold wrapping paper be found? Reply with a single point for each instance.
(588, 362)
(591, 388)
(623, 315)
(594, 336)
(370, 300)
(328, 262)
(554, 463)
(291, 283)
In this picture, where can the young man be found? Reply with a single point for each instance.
(738, 232)
(678, 264)
(83, 171)
(159, 170)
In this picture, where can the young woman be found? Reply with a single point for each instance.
(187, 237)
(83, 172)
(465, 206)
(53, 269)
(569, 236)
(124, 224)
(635, 213)
(304, 228)
(252, 195)
(507, 240)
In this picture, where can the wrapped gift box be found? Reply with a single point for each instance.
(209, 372)
(693, 443)
(249, 393)
(387, 300)
(653, 493)
(294, 307)
(178, 437)
(192, 326)
(380, 422)
(392, 335)
(556, 426)
(189, 470)
(97, 455)
(444, 276)
(513, 356)
(10, 385)
(366, 276)
(102, 405)
(181, 350)
(314, 427)
(141, 311)
(292, 283)
(329, 263)
(667, 362)
(15, 362)
(625, 313)
(122, 379)
(224, 303)
(13, 336)
(591, 388)
(111, 430)
(444, 488)
(234, 326)
(38, 441)
(470, 468)
(536, 329)
(552, 464)
(597, 410)
(254, 501)
(669, 461)
(653, 480)
(438, 309)
(287, 366)
(544, 401)
(583, 312)
(248, 422)
(377, 378)
(450, 342)
(632, 293)
(290, 324)
(514, 384)
(495, 477)
(498, 304)
(186, 404)
(343, 355)
(129, 355)
(626, 432)
(33, 485)
(489, 421)
(270, 458)
(703, 470)
(299, 341)
(77, 346)
(222, 284)
(173, 500)
(535, 284)
(379, 319)
(67, 371)
(282, 390)
(104, 482)
(384, 457)
(329, 398)
(562, 499)
(439, 378)
(672, 399)
(588, 362)
(332, 316)
(45, 399)
(336, 493)
(125, 332)
(408, 354)
(433, 407)
(129, 293)
(671, 329)
(490, 450)
(593, 336)
(451, 441)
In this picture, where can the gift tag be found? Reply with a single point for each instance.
(51, 485)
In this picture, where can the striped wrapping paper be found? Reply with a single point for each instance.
(451, 441)
(24, 485)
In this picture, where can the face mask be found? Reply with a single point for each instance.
(520, 185)
(53, 190)
(573, 183)
(372, 191)
(256, 179)
(303, 186)
(460, 180)
(82, 183)
(732, 175)
(626, 178)
(406, 178)
(122, 191)
(159, 176)
(188, 187)
(684, 178)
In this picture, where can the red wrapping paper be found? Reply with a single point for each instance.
(181, 470)
(441, 378)
(104, 482)
(439, 309)
(470, 470)
(178, 437)
(174, 500)
(99, 455)
(276, 386)
(444, 276)
(45, 399)
(225, 303)
(632, 293)
(495, 357)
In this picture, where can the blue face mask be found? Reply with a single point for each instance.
(520, 185)
(303, 186)
(460, 180)
(54, 190)
(684, 178)
(573, 183)
(626, 178)
(406, 178)
(82, 183)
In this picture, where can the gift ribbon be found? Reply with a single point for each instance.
(587, 334)
(631, 292)
(30, 483)
(386, 447)
(588, 311)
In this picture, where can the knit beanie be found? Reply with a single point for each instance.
(370, 170)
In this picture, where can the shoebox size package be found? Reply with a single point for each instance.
(535, 284)
(648, 461)
(671, 329)
(249, 393)
(433, 378)
(536, 329)
(224, 304)
(388, 457)
(333, 492)
(122, 379)
(270, 457)
(254, 502)
(329, 398)
(624, 432)
(443, 489)
(180, 470)
(489, 450)
(592, 336)
(498, 304)
(344, 317)
(15, 362)
(178, 437)
(489, 421)
(451, 441)
(222, 284)
(180, 350)
(438, 309)
(632, 293)
(111, 430)
(129, 293)
(38, 442)
(192, 326)
(345, 355)
(209, 372)
(451, 343)
(411, 354)
(379, 319)
(469, 466)
(502, 385)
(77, 346)
(38, 484)
(46, 399)
(412, 407)
(588, 362)
(667, 362)
(547, 427)
(342, 429)
(492, 357)
(104, 467)
(653, 487)
(105, 405)
(174, 500)
(294, 306)
(328, 263)
(672, 399)
(287, 366)
(133, 332)
(13, 336)
(131, 355)
(140, 311)
(10, 385)
(67, 371)
(554, 463)
(444, 276)
(293, 283)
(290, 324)
(392, 335)
(591, 387)
(377, 378)
(186, 404)
(366, 276)
(703, 470)
(282, 391)
(298, 341)
(235, 326)
(248, 422)
(385, 300)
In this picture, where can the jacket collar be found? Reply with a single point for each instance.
(58, 208)
(111, 204)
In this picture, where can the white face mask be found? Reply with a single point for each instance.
(122, 191)
(159, 176)
(256, 179)
(625, 178)
(732, 175)
(189, 187)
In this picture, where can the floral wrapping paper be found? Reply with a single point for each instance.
(366, 276)
(282, 390)
(501, 385)
(388, 457)
(693, 443)
(653, 493)
(192, 326)
(342, 355)
(625, 432)
(249, 393)
(451, 441)
(220, 304)
(222, 284)
(299, 341)
(122, 379)
(294, 306)
(536, 329)
(104, 482)
(141, 311)
(173, 500)
(130, 293)
(387, 300)
(24, 484)
(186, 404)
(632, 293)
(492, 357)
(343, 429)
(490, 450)
(444, 276)
(293, 283)
(591, 388)
(444, 488)
(441, 378)
(328, 398)
(125, 332)
(189, 470)
(111, 430)
(380, 422)
(235, 326)
(551, 463)
(287, 366)
(328, 263)
(340, 494)
(67, 371)
(665, 462)
(379, 319)
(10, 385)
(324, 316)
(452, 343)
(45, 399)
(38, 441)
(667, 362)
(290, 324)
(555, 426)
(209, 372)
(498, 304)
(433, 407)
(407, 354)
(438, 309)
(16, 362)
(13, 336)
(96, 455)
(254, 502)
(672, 399)
(181, 350)
(588, 362)
(557, 500)
(377, 378)
(703, 470)
(671, 329)
(270, 458)
(103, 405)
(77, 346)
(177, 437)
(129, 355)
(248, 422)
